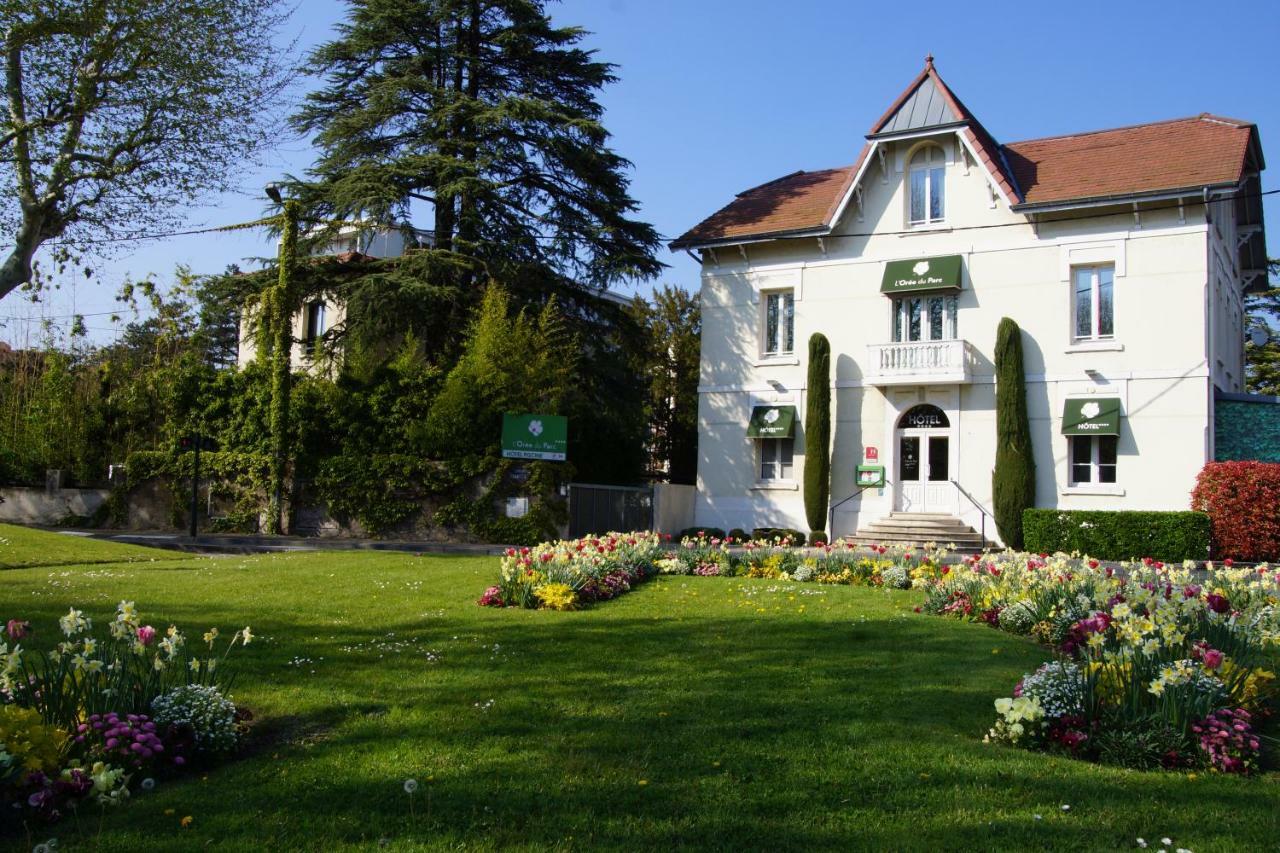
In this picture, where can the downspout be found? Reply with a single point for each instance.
(1208, 331)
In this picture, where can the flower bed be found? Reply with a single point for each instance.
(1156, 666)
(568, 574)
(99, 716)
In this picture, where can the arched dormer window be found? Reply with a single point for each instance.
(927, 174)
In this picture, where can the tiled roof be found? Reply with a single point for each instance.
(1204, 150)
(795, 203)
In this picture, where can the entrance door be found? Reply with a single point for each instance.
(924, 461)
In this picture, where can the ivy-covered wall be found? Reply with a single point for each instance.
(1246, 427)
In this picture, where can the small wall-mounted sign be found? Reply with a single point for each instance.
(870, 476)
(872, 453)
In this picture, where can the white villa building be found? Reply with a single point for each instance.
(351, 244)
(1124, 255)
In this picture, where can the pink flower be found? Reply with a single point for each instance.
(146, 635)
(1212, 659)
(18, 629)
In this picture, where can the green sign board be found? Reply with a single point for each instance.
(870, 475)
(1092, 416)
(772, 422)
(922, 274)
(535, 437)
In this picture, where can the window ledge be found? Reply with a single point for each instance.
(1113, 491)
(776, 360)
(1095, 346)
(932, 228)
(776, 485)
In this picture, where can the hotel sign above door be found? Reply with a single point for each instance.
(922, 274)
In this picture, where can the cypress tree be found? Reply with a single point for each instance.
(1013, 482)
(817, 435)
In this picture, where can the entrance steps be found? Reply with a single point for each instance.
(917, 528)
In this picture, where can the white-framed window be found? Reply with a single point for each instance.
(927, 185)
(1093, 303)
(776, 459)
(1093, 459)
(779, 322)
(924, 318)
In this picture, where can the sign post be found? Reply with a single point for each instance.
(195, 442)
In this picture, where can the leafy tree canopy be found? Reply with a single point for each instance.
(121, 112)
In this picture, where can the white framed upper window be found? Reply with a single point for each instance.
(779, 322)
(1093, 303)
(927, 184)
(777, 458)
(924, 318)
(1093, 459)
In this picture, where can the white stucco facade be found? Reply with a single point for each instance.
(1178, 326)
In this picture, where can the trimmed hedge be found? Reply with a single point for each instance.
(1119, 535)
(1243, 501)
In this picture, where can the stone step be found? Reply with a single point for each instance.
(916, 528)
(974, 546)
(917, 524)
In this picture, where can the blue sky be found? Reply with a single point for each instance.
(716, 96)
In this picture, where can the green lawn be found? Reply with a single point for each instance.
(22, 547)
(692, 713)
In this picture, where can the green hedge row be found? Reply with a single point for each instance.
(1119, 535)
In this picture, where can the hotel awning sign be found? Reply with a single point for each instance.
(772, 422)
(922, 274)
(1091, 416)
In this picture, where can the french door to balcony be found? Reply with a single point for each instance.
(924, 471)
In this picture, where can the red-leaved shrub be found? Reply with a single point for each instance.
(1243, 503)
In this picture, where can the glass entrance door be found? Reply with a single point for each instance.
(924, 472)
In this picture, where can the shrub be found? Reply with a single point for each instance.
(797, 536)
(817, 434)
(1243, 503)
(895, 577)
(1013, 482)
(817, 537)
(209, 716)
(1119, 535)
(737, 534)
(702, 532)
(30, 743)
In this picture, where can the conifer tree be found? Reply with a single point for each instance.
(817, 435)
(1013, 482)
(487, 112)
(1262, 362)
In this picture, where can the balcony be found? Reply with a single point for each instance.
(920, 363)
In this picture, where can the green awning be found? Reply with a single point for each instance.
(1093, 416)
(922, 274)
(772, 422)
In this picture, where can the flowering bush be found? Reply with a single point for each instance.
(1152, 656)
(1227, 739)
(200, 713)
(79, 721)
